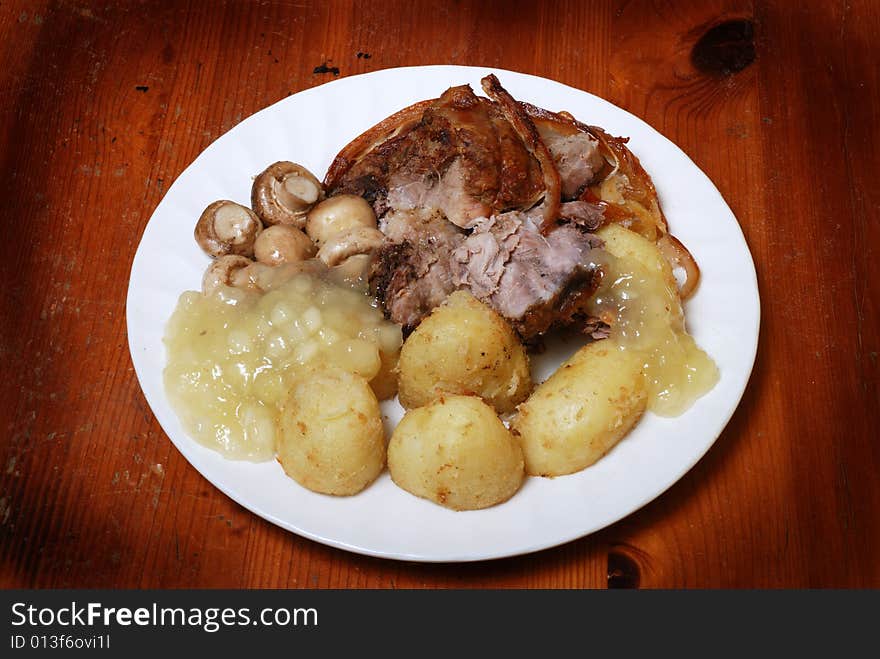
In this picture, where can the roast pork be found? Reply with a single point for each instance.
(485, 194)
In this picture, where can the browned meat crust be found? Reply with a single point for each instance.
(527, 132)
(491, 195)
(461, 157)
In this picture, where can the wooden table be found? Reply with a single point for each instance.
(103, 104)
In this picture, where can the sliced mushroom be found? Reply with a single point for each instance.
(224, 271)
(283, 244)
(227, 228)
(284, 192)
(359, 240)
(337, 215)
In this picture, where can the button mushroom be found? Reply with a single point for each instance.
(283, 244)
(352, 270)
(359, 240)
(225, 271)
(337, 215)
(227, 228)
(284, 192)
(264, 278)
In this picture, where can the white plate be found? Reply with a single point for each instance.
(310, 127)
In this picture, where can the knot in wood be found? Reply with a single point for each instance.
(725, 49)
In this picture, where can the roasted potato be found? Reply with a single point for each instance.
(332, 440)
(464, 347)
(457, 453)
(582, 410)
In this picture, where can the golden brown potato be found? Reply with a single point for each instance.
(332, 439)
(457, 453)
(464, 347)
(582, 410)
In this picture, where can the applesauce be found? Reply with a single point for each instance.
(233, 355)
(646, 315)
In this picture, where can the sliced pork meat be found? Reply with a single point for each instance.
(413, 271)
(548, 212)
(530, 278)
(577, 157)
(485, 195)
(587, 215)
(575, 150)
(462, 159)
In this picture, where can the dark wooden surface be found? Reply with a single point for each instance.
(103, 104)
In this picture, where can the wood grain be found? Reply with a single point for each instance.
(104, 104)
